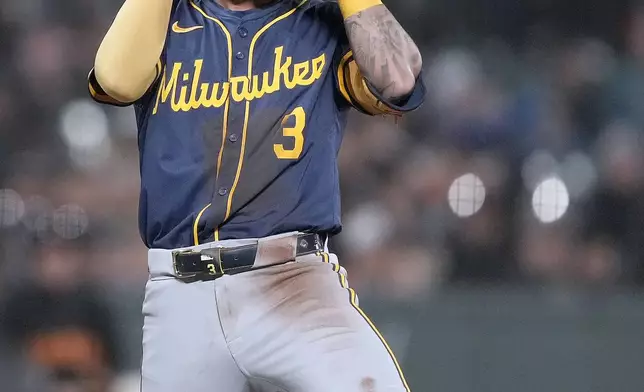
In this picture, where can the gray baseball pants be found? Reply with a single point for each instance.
(294, 327)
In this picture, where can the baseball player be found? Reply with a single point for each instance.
(241, 109)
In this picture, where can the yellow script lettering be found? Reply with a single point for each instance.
(165, 89)
(237, 82)
(194, 94)
(282, 70)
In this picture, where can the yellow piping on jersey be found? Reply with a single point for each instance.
(247, 111)
(94, 94)
(224, 132)
(341, 82)
(158, 68)
(195, 227)
(101, 97)
(230, 74)
(354, 303)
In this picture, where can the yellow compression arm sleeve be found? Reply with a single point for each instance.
(126, 60)
(352, 7)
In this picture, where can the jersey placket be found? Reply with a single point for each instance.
(234, 141)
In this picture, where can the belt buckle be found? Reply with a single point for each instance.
(177, 273)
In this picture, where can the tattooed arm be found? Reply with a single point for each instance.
(386, 55)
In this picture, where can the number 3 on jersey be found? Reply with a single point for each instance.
(296, 132)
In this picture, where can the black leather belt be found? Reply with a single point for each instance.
(218, 261)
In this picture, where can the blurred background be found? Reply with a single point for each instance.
(496, 235)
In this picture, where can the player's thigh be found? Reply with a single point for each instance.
(360, 368)
(340, 348)
(360, 363)
(183, 346)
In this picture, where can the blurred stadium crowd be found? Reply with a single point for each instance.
(525, 167)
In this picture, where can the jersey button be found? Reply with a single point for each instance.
(243, 32)
(232, 138)
(240, 56)
(222, 191)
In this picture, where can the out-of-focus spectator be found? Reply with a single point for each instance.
(60, 323)
(613, 215)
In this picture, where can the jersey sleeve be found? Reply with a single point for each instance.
(359, 93)
(99, 95)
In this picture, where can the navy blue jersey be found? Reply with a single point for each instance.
(239, 134)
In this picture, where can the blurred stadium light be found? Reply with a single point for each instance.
(579, 172)
(466, 195)
(70, 221)
(366, 226)
(550, 200)
(84, 129)
(12, 207)
(536, 166)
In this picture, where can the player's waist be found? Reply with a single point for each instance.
(254, 213)
(229, 257)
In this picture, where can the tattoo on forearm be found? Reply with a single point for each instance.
(383, 50)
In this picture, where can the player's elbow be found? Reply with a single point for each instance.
(407, 84)
(416, 63)
(403, 81)
(116, 84)
(408, 75)
(401, 85)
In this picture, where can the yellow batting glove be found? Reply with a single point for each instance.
(352, 7)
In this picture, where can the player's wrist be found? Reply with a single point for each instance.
(352, 7)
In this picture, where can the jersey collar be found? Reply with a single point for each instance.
(213, 8)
